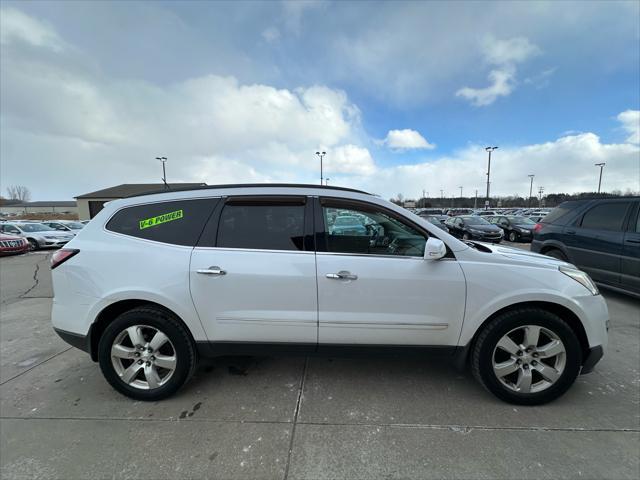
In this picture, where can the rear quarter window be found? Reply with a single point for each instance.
(562, 213)
(177, 222)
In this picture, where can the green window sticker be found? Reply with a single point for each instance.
(160, 219)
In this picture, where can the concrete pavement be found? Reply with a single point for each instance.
(298, 418)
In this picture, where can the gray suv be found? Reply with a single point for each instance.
(38, 235)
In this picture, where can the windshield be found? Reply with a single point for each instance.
(521, 220)
(73, 225)
(475, 221)
(34, 227)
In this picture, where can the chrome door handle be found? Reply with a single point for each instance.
(211, 271)
(342, 275)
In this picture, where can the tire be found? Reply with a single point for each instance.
(33, 245)
(512, 388)
(555, 253)
(466, 236)
(177, 353)
(513, 236)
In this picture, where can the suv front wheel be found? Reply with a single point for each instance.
(527, 356)
(146, 354)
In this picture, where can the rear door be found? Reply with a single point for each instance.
(253, 273)
(595, 241)
(630, 276)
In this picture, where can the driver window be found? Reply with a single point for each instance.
(370, 231)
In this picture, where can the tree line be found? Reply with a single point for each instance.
(548, 200)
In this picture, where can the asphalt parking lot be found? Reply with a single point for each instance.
(296, 418)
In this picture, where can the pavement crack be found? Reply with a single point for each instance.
(35, 280)
(454, 428)
(295, 418)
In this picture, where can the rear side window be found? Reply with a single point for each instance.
(559, 213)
(606, 216)
(179, 223)
(262, 225)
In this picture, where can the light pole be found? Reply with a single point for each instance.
(530, 190)
(164, 172)
(601, 165)
(321, 156)
(540, 191)
(475, 200)
(326, 181)
(489, 149)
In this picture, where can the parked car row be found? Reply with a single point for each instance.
(33, 235)
(533, 214)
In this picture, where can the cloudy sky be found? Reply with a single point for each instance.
(402, 96)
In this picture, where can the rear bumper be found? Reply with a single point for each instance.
(75, 339)
(593, 357)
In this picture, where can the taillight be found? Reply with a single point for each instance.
(62, 256)
(537, 228)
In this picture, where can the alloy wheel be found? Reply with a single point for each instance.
(529, 359)
(143, 357)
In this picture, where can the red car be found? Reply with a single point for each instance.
(10, 245)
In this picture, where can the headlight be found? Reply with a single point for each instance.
(50, 237)
(580, 277)
(471, 230)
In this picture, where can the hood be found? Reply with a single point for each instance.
(53, 233)
(9, 237)
(525, 257)
(484, 228)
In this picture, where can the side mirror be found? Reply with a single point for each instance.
(434, 249)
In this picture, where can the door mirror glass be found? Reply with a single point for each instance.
(434, 249)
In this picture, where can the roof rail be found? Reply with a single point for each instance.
(247, 185)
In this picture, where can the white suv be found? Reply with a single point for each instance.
(154, 282)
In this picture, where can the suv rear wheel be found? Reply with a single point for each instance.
(146, 354)
(527, 356)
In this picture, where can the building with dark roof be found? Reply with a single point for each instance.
(22, 208)
(89, 204)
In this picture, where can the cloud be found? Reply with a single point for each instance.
(630, 120)
(504, 54)
(15, 26)
(271, 34)
(509, 51)
(502, 84)
(68, 127)
(406, 139)
(213, 128)
(562, 165)
(349, 159)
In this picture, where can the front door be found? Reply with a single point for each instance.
(255, 280)
(630, 277)
(374, 286)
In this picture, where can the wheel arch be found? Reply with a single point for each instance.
(548, 246)
(113, 310)
(463, 353)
